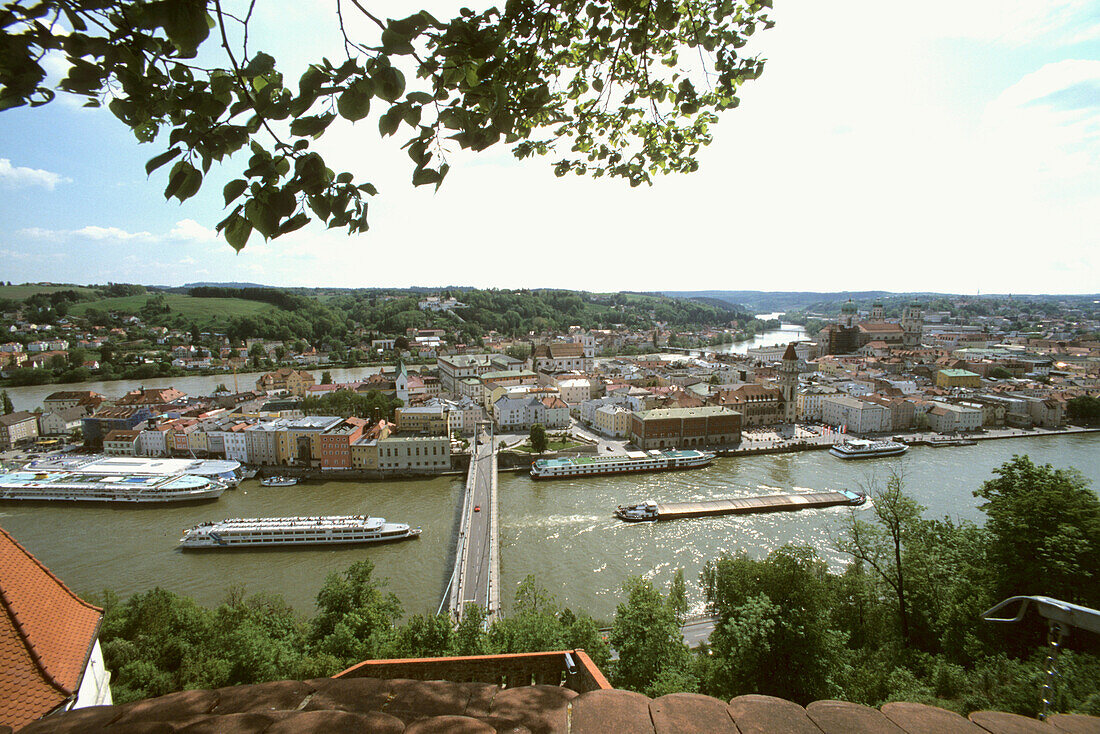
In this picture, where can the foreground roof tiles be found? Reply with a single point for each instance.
(46, 636)
(402, 706)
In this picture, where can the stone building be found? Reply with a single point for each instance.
(669, 428)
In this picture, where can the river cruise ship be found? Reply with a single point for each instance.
(858, 448)
(275, 531)
(225, 472)
(63, 486)
(634, 461)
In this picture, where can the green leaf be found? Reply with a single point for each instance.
(388, 123)
(183, 182)
(237, 229)
(260, 64)
(389, 83)
(425, 176)
(354, 103)
(159, 160)
(311, 126)
(185, 24)
(396, 43)
(263, 217)
(298, 221)
(234, 189)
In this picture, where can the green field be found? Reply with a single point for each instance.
(195, 308)
(19, 292)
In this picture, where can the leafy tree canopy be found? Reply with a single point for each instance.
(607, 87)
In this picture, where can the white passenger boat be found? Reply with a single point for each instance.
(226, 472)
(278, 481)
(63, 486)
(635, 461)
(858, 448)
(276, 531)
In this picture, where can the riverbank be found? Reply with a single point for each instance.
(822, 443)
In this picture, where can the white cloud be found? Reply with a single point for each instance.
(17, 177)
(185, 231)
(1017, 24)
(189, 230)
(1048, 123)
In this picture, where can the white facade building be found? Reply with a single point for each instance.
(858, 416)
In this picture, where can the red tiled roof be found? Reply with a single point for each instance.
(46, 635)
(397, 706)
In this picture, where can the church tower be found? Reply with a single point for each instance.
(912, 324)
(848, 314)
(878, 313)
(788, 383)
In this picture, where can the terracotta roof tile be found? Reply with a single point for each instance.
(999, 722)
(683, 713)
(326, 722)
(841, 717)
(1075, 723)
(450, 725)
(756, 714)
(610, 711)
(349, 705)
(279, 696)
(79, 721)
(919, 718)
(46, 636)
(542, 709)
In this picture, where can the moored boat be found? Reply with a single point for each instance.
(278, 481)
(283, 531)
(858, 448)
(635, 461)
(61, 486)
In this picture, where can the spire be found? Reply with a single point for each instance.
(790, 355)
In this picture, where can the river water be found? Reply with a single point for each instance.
(30, 397)
(560, 531)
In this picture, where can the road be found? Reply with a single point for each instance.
(476, 566)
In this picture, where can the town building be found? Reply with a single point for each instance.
(957, 378)
(949, 418)
(613, 420)
(121, 443)
(454, 368)
(808, 402)
(295, 382)
(17, 428)
(151, 397)
(427, 419)
(758, 405)
(560, 357)
(72, 399)
(855, 415)
(332, 448)
(414, 454)
(62, 421)
(666, 428)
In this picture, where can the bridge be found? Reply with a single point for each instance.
(476, 575)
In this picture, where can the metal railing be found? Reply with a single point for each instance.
(569, 668)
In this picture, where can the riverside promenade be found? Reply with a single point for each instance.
(476, 576)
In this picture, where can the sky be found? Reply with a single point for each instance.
(902, 146)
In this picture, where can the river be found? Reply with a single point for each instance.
(560, 531)
(784, 334)
(30, 397)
